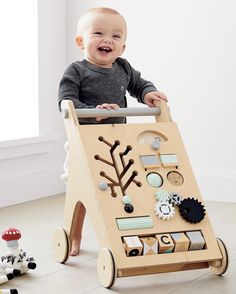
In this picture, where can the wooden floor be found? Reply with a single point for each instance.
(37, 221)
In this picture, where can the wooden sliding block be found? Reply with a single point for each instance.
(150, 161)
(150, 245)
(133, 246)
(134, 223)
(181, 242)
(166, 244)
(197, 241)
(169, 160)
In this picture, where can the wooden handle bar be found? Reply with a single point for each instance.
(131, 111)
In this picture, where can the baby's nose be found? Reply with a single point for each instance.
(107, 40)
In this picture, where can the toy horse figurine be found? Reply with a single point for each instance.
(16, 261)
(4, 277)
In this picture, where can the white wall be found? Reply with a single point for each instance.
(188, 49)
(31, 168)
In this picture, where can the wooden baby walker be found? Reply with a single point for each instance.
(139, 190)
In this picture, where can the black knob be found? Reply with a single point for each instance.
(129, 208)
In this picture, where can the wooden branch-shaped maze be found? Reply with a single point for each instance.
(113, 183)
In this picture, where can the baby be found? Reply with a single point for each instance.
(103, 77)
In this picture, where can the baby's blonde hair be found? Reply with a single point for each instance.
(97, 10)
(103, 10)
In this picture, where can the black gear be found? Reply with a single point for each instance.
(192, 210)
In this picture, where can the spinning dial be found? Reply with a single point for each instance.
(175, 178)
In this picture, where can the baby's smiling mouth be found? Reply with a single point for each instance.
(104, 49)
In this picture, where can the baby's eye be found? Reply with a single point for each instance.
(116, 36)
(98, 33)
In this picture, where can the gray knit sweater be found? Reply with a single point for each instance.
(88, 85)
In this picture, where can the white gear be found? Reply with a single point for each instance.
(164, 210)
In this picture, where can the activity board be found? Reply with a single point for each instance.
(140, 193)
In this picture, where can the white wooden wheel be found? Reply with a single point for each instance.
(221, 267)
(61, 245)
(106, 269)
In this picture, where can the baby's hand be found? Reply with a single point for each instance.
(106, 106)
(150, 97)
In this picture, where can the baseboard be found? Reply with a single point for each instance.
(31, 169)
(33, 186)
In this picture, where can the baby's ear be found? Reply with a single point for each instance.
(79, 42)
(124, 46)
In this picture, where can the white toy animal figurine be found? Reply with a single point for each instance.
(4, 277)
(16, 261)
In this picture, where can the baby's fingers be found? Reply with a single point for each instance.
(114, 106)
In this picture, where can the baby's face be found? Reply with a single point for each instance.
(103, 38)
